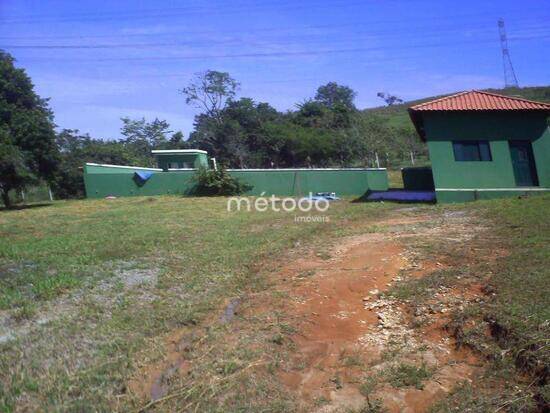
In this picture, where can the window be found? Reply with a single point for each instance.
(472, 151)
(173, 165)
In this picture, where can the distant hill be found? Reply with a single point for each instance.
(397, 115)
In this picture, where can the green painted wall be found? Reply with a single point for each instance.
(498, 128)
(303, 181)
(115, 169)
(104, 181)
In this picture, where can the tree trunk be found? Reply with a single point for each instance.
(6, 199)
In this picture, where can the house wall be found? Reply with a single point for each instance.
(462, 181)
(102, 181)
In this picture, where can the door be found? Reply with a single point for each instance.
(523, 163)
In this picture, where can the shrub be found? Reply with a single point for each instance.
(218, 183)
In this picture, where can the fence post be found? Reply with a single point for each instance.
(412, 157)
(377, 160)
(50, 193)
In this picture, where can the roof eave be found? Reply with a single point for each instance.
(417, 122)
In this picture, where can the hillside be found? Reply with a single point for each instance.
(397, 116)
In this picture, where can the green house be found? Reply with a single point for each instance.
(178, 159)
(483, 145)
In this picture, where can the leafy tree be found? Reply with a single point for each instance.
(218, 183)
(312, 114)
(333, 95)
(27, 139)
(77, 149)
(141, 137)
(211, 91)
(177, 141)
(238, 138)
(389, 98)
(145, 136)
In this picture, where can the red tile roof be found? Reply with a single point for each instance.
(477, 100)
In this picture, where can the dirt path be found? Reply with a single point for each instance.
(347, 327)
(352, 345)
(330, 304)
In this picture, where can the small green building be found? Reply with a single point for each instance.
(178, 159)
(483, 145)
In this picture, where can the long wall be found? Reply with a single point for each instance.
(111, 180)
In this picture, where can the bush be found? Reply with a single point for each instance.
(218, 183)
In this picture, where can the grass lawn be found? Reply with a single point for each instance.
(89, 289)
(86, 285)
(395, 179)
(510, 325)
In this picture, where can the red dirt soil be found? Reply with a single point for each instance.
(330, 357)
(326, 305)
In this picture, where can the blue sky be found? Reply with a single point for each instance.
(101, 60)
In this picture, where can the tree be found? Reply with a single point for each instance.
(312, 114)
(333, 95)
(27, 139)
(211, 91)
(141, 137)
(148, 135)
(389, 99)
(238, 139)
(177, 141)
(77, 149)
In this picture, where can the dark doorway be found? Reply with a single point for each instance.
(523, 163)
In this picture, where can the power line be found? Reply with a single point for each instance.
(441, 19)
(386, 34)
(182, 12)
(274, 54)
(285, 41)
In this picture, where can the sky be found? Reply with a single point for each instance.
(99, 61)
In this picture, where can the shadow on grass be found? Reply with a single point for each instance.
(25, 206)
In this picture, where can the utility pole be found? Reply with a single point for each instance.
(510, 79)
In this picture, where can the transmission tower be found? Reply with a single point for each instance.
(510, 79)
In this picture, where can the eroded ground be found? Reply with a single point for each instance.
(332, 331)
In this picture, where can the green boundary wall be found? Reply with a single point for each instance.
(113, 180)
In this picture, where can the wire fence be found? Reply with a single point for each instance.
(40, 193)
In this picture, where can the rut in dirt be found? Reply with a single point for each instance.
(347, 325)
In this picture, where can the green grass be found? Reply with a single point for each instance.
(395, 179)
(408, 375)
(510, 327)
(89, 288)
(520, 312)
